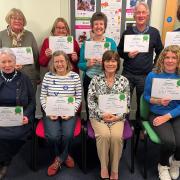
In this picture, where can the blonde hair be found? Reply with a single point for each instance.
(60, 19)
(160, 62)
(14, 12)
(51, 63)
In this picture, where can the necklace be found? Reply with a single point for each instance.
(8, 79)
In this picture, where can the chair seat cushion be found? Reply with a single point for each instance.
(151, 133)
(127, 132)
(40, 128)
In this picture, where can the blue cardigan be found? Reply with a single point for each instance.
(173, 107)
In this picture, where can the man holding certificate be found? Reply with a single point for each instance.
(17, 108)
(109, 103)
(60, 100)
(90, 63)
(140, 41)
(165, 110)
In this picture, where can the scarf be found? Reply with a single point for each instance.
(16, 38)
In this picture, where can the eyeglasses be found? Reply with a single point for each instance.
(61, 28)
(141, 13)
(17, 18)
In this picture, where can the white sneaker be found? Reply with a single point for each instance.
(164, 172)
(174, 168)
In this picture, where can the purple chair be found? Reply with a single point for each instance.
(128, 133)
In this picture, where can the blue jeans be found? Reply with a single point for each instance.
(59, 134)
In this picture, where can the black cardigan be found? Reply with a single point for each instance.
(24, 97)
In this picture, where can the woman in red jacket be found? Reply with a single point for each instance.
(60, 28)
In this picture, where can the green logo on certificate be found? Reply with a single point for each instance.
(106, 45)
(69, 39)
(122, 97)
(178, 82)
(28, 50)
(18, 110)
(70, 99)
(145, 38)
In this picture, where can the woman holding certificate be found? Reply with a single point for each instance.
(60, 82)
(60, 28)
(109, 102)
(165, 111)
(15, 36)
(91, 55)
(17, 109)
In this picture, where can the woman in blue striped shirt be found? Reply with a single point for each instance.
(60, 81)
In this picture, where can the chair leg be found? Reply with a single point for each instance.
(132, 154)
(125, 142)
(145, 156)
(137, 140)
(84, 151)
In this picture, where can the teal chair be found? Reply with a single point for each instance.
(149, 133)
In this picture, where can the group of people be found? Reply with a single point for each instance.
(101, 77)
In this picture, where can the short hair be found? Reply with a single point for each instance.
(51, 62)
(99, 16)
(144, 4)
(57, 20)
(178, 12)
(8, 52)
(160, 62)
(14, 12)
(108, 55)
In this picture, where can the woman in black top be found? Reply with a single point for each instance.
(15, 91)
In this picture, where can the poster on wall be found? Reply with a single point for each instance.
(112, 9)
(84, 10)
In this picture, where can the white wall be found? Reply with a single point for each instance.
(40, 14)
(157, 13)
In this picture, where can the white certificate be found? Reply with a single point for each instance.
(24, 55)
(113, 103)
(166, 88)
(60, 106)
(172, 38)
(11, 116)
(95, 49)
(61, 43)
(138, 42)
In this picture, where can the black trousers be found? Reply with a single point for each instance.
(86, 83)
(8, 149)
(136, 81)
(169, 134)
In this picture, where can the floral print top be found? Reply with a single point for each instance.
(98, 86)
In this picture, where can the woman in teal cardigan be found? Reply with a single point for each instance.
(92, 67)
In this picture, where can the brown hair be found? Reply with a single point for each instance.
(59, 19)
(51, 63)
(108, 55)
(160, 62)
(98, 16)
(15, 12)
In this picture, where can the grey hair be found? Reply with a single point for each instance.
(142, 3)
(9, 52)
